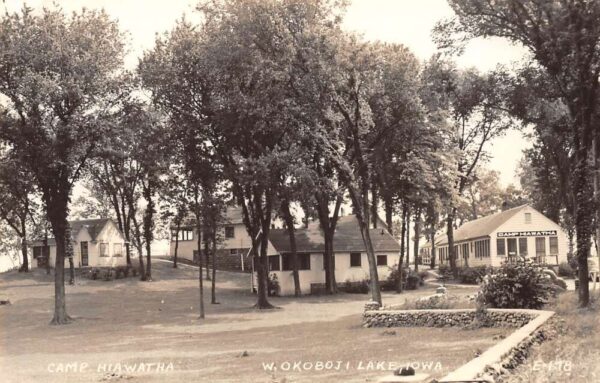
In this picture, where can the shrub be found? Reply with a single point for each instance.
(126, 271)
(423, 275)
(472, 275)
(565, 270)
(410, 279)
(359, 287)
(273, 285)
(94, 273)
(107, 275)
(118, 273)
(134, 272)
(521, 285)
(445, 272)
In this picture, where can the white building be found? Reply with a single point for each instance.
(518, 233)
(232, 251)
(96, 243)
(351, 262)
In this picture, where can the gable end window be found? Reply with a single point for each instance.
(382, 260)
(229, 232)
(527, 217)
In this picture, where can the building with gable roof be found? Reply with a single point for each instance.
(518, 233)
(96, 243)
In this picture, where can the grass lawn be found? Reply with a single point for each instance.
(130, 324)
(573, 354)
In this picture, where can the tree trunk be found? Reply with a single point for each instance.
(262, 273)
(402, 237)
(388, 216)
(25, 265)
(148, 261)
(200, 285)
(583, 221)
(432, 247)
(417, 236)
(139, 247)
(450, 233)
(374, 204)
(289, 223)
(213, 287)
(207, 264)
(596, 169)
(178, 228)
(57, 215)
(408, 237)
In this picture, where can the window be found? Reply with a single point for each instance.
(540, 247)
(553, 245)
(527, 217)
(182, 235)
(500, 246)
(303, 261)
(37, 252)
(118, 250)
(465, 251)
(482, 248)
(235, 252)
(104, 249)
(274, 263)
(355, 259)
(512, 247)
(523, 247)
(229, 232)
(382, 260)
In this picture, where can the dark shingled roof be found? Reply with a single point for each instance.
(93, 226)
(480, 227)
(347, 238)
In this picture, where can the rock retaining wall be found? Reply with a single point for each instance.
(445, 318)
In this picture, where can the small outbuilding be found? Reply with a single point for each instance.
(518, 233)
(96, 243)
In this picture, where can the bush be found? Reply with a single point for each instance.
(273, 285)
(445, 271)
(107, 275)
(134, 272)
(565, 270)
(472, 275)
(410, 279)
(360, 287)
(126, 271)
(521, 285)
(94, 273)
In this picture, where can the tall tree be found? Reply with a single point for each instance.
(59, 86)
(563, 38)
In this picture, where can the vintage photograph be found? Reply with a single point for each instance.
(282, 191)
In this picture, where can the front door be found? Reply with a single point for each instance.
(84, 254)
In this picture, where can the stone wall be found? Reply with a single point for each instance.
(445, 318)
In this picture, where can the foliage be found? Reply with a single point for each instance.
(58, 89)
(520, 285)
(274, 288)
(565, 270)
(411, 279)
(356, 287)
(472, 275)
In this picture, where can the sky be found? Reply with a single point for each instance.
(400, 21)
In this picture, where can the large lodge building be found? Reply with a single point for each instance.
(518, 233)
